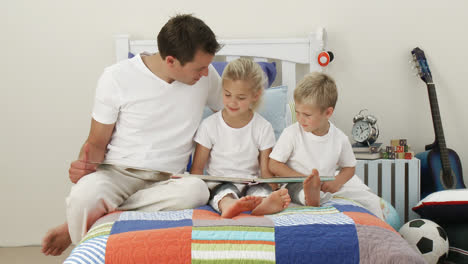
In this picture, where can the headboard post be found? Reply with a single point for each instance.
(122, 46)
(318, 41)
(288, 76)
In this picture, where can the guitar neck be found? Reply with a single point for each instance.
(438, 130)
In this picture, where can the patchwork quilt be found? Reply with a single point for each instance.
(340, 231)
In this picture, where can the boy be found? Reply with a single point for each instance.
(314, 144)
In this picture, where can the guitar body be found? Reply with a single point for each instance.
(432, 171)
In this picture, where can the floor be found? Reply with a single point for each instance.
(20, 255)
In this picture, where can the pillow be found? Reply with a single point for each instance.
(206, 113)
(272, 108)
(292, 111)
(449, 206)
(268, 67)
(390, 214)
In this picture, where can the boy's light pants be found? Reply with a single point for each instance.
(113, 188)
(353, 189)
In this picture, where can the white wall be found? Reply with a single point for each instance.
(54, 51)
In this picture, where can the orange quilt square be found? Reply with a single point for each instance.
(171, 245)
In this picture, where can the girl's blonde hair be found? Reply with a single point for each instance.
(317, 89)
(247, 70)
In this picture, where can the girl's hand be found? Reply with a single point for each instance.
(274, 186)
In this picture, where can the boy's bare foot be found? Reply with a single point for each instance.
(56, 240)
(312, 189)
(274, 203)
(233, 207)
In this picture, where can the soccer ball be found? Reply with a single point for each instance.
(428, 238)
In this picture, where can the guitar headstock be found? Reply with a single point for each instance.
(419, 59)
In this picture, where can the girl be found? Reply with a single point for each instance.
(237, 142)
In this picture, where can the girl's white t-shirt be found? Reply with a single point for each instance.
(303, 151)
(154, 121)
(234, 151)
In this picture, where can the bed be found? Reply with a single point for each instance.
(340, 231)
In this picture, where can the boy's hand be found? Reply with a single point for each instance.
(81, 167)
(331, 186)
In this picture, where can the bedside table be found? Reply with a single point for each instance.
(395, 180)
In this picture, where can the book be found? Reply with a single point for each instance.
(368, 155)
(168, 175)
(249, 180)
(362, 148)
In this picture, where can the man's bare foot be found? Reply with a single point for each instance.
(312, 189)
(274, 203)
(232, 207)
(56, 240)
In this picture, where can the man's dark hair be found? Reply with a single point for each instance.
(183, 35)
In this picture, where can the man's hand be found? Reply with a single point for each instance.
(81, 167)
(92, 152)
(331, 186)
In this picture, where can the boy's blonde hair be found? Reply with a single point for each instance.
(243, 69)
(317, 89)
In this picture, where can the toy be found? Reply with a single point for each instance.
(325, 57)
(398, 149)
(428, 238)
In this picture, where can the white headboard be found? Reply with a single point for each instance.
(290, 51)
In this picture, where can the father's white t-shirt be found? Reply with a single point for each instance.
(303, 151)
(155, 120)
(234, 151)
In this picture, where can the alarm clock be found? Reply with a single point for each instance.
(365, 129)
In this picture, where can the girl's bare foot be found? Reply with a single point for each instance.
(56, 240)
(231, 207)
(312, 189)
(274, 203)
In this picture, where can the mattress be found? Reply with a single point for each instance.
(341, 231)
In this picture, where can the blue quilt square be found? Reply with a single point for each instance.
(138, 225)
(351, 208)
(317, 244)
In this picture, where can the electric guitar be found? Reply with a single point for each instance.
(440, 166)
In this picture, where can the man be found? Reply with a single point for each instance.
(145, 114)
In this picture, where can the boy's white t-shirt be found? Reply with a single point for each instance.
(154, 121)
(234, 151)
(303, 151)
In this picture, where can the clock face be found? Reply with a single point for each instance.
(361, 131)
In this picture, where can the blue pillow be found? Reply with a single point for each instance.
(272, 108)
(268, 67)
(390, 214)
